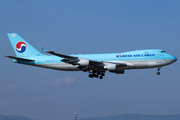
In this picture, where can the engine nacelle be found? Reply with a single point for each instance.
(83, 62)
(118, 71)
(110, 67)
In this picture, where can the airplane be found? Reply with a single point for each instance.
(95, 64)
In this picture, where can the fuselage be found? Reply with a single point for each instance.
(138, 59)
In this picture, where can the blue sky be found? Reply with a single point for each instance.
(89, 26)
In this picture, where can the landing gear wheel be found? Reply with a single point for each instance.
(100, 77)
(90, 75)
(158, 73)
(102, 74)
(96, 76)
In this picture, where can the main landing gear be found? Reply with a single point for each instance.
(97, 74)
(158, 73)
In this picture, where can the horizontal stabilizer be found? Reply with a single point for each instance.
(18, 58)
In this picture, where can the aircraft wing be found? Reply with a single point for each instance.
(68, 58)
(81, 61)
(57, 54)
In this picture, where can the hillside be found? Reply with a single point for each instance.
(13, 117)
(136, 117)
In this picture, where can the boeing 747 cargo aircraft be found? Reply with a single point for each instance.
(95, 64)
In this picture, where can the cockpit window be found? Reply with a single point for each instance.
(163, 51)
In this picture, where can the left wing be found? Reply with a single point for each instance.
(72, 59)
(85, 64)
(57, 54)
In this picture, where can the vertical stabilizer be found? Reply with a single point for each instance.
(21, 47)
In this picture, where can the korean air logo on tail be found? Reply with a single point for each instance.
(21, 47)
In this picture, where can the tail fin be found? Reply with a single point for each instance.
(21, 47)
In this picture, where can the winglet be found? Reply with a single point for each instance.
(43, 49)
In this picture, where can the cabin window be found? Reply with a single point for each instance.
(163, 51)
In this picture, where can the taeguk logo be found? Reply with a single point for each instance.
(21, 47)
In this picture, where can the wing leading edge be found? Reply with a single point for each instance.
(71, 59)
(80, 61)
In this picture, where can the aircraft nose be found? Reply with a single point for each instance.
(174, 59)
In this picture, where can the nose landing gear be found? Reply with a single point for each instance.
(158, 73)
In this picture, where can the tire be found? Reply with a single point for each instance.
(158, 73)
(90, 76)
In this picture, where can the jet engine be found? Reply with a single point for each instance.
(83, 62)
(110, 67)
